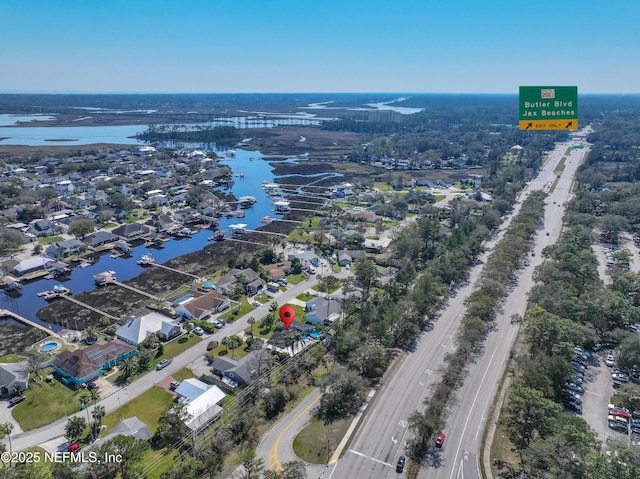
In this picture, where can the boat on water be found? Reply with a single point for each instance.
(266, 219)
(84, 264)
(104, 277)
(146, 260)
(230, 153)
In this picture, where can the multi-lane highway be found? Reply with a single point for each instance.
(383, 434)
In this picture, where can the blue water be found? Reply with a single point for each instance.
(81, 279)
(49, 346)
(77, 135)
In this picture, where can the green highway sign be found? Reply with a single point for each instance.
(548, 108)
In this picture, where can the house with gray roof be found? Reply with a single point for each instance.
(100, 238)
(131, 231)
(247, 277)
(322, 311)
(348, 256)
(41, 227)
(202, 306)
(62, 249)
(240, 372)
(13, 375)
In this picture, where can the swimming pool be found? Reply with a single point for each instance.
(315, 334)
(184, 299)
(50, 346)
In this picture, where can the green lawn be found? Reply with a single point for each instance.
(184, 373)
(439, 197)
(311, 443)
(305, 297)
(236, 313)
(11, 358)
(296, 278)
(45, 404)
(147, 407)
(49, 240)
(176, 347)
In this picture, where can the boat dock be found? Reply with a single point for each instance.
(197, 278)
(135, 290)
(90, 308)
(28, 322)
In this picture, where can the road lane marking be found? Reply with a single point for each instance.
(370, 458)
(466, 423)
(274, 464)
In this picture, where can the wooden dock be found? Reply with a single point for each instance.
(90, 308)
(28, 322)
(135, 290)
(197, 278)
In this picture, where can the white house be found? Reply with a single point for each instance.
(140, 328)
(203, 403)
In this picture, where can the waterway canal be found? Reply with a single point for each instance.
(255, 172)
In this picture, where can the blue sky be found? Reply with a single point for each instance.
(255, 46)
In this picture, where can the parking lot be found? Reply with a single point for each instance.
(598, 385)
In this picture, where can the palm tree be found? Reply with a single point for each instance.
(7, 428)
(225, 342)
(90, 334)
(98, 413)
(128, 368)
(251, 322)
(234, 343)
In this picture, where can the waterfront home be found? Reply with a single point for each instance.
(81, 366)
(12, 376)
(28, 265)
(247, 277)
(131, 231)
(99, 238)
(141, 327)
(201, 305)
(62, 249)
(162, 222)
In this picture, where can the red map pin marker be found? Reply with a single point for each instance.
(287, 314)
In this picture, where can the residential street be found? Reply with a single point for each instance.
(47, 434)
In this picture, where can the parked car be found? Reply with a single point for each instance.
(573, 406)
(400, 464)
(609, 361)
(198, 331)
(440, 440)
(75, 447)
(16, 400)
(173, 385)
(574, 387)
(218, 324)
(574, 399)
(163, 363)
(255, 303)
(92, 385)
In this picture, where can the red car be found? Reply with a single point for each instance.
(440, 440)
(618, 412)
(75, 447)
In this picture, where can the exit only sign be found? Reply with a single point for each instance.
(548, 108)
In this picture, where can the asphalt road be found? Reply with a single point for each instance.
(46, 433)
(383, 435)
